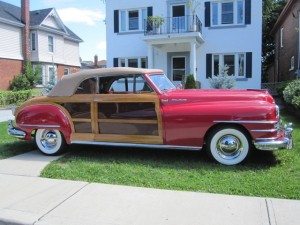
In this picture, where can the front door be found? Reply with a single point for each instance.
(178, 65)
(178, 23)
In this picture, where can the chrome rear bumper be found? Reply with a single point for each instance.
(285, 141)
(12, 131)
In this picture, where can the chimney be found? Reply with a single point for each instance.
(25, 18)
(96, 60)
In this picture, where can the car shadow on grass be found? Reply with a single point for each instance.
(181, 159)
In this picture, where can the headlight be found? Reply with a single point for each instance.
(277, 112)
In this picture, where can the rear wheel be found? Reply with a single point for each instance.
(228, 146)
(50, 142)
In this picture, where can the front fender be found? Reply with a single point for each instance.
(44, 116)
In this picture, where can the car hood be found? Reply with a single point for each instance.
(194, 95)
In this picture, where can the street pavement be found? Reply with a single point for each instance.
(27, 199)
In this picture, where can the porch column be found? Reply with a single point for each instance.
(193, 61)
(150, 56)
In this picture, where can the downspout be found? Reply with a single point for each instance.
(298, 70)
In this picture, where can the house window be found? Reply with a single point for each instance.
(228, 13)
(178, 68)
(234, 62)
(140, 62)
(132, 20)
(66, 71)
(292, 63)
(33, 41)
(50, 44)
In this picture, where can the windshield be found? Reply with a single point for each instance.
(162, 82)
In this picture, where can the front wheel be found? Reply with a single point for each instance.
(228, 146)
(50, 142)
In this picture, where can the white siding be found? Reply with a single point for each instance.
(71, 53)
(51, 22)
(10, 42)
(65, 51)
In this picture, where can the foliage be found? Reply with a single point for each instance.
(271, 12)
(26, 81)
(223, 80)
(193, 5)
(190, 82)
(49, 86)
(280, 88)
(14, 97)
(156, 20)
(291, 93)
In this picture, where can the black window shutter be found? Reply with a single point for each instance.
(116, 62)
(116, 21)
(249, 65)
(149, 13)
(207, 14)
(208, 65)
(247, 11)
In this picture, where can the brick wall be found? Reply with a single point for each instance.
(60, 70)
(290, 41)
(9, 69)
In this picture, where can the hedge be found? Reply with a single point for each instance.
(14, 97)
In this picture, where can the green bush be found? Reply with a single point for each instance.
(280, 88)
(190, 82)
(26, 81)
(14, 97)
(291, 93)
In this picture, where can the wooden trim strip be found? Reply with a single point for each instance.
(127, 121)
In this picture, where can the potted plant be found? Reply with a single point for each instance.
(156, 22)
(193, 5)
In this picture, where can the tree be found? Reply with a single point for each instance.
(271, 12)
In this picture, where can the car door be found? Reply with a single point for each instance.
(126, 110)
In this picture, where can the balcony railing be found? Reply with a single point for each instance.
(173, 25)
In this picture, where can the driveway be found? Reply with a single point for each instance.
(5, 115)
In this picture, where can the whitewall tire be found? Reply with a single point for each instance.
(50, 142)
(228, 146)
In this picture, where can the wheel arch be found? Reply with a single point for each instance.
(44, 116)
(227, 125)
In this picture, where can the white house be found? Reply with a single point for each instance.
(38, 36)
(220, 32)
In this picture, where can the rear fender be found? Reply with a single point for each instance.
(44, 116)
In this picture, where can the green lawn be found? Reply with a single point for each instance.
(10, 146)
(265, 174)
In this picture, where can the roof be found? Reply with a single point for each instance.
(12, 13)
(69, 83)
(283, 15)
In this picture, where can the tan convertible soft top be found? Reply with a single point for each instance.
(69, 83)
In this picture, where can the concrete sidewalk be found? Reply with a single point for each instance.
(5, 115)
(40, 201)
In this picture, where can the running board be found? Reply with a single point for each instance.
(115, 144)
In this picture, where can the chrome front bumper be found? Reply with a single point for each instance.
(285, 141)
(12, 131)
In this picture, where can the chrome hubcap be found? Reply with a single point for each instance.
(49, 139)
(229, 147)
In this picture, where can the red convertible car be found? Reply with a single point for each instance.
(141, 107)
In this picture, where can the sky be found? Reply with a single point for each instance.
(84, 18)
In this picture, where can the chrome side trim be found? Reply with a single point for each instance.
(115, 144)
(39, 125)
(265, 131)
(245, 121)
